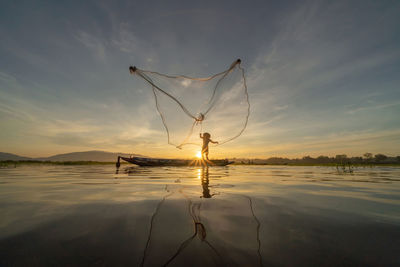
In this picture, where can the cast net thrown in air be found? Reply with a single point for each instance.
(218, 104)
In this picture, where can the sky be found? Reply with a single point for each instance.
(322, 76)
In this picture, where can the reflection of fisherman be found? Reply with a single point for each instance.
(205, 182)
(199, 229)
(206, 139)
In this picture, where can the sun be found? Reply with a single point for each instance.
(198, 154)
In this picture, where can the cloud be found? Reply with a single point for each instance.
(280, 107)
(373, 107)
(313, 68)
(126, 41)
(7, 78)
(305, 54)
(352, 143)
(17, 107)
(95, 44)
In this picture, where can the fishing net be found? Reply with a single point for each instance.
(188, 106)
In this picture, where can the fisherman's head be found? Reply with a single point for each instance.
(207, 135)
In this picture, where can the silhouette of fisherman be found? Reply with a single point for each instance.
(206, 140)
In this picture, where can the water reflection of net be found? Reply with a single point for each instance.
(201, 221)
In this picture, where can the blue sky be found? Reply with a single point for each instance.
(322, 75)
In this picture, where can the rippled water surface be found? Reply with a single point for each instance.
(217, 216)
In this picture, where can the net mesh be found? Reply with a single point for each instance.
(188, 106)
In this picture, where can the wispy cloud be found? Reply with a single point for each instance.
(93, 43)
(372, 107)
(352, 143)
(126, 41)
(7, 78)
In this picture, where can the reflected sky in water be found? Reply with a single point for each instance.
(232, 216)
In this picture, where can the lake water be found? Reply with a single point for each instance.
(217, 216)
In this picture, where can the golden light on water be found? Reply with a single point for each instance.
(198, 154)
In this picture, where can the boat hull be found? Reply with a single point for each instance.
(174, 162)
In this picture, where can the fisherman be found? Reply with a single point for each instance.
(206, 139)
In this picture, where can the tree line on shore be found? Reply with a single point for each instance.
(367, 158)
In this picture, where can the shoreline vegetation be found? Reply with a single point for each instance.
(341, 161)
(366, 160)
(4, 163)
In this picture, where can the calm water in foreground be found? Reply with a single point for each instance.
(220, 216)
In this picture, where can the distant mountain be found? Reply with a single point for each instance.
(9, 156)
(101, 156)
(88, 156)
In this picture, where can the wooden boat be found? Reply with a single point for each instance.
(173, 162)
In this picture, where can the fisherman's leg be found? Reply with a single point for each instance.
(203, 152)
